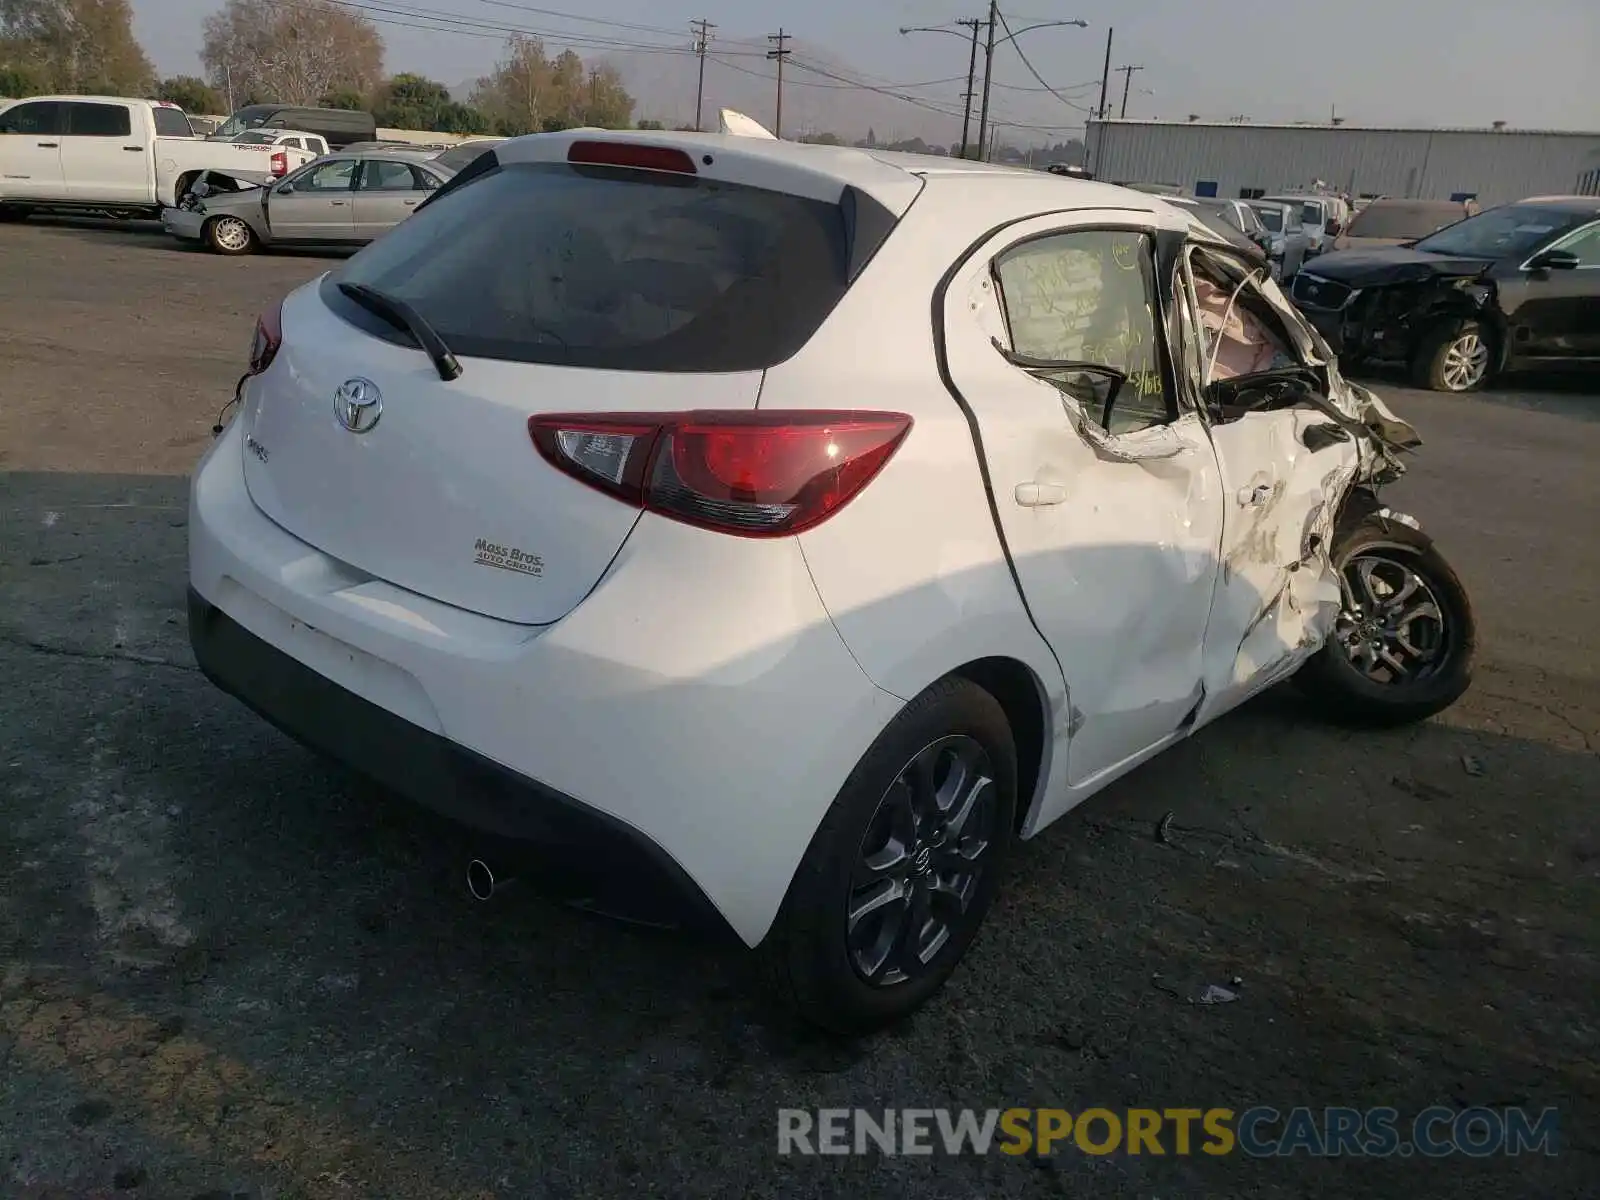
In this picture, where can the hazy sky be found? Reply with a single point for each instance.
(1444, 62)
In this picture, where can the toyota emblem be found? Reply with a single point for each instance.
(358, 404)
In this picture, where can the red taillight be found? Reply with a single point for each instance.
(760, 474)
(621, 154)
(280, 163)
(268, 337)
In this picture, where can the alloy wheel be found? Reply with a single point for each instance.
(1392, 627)
(1466, 362)
(231, 233)
(920, 861)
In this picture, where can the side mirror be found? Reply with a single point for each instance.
(283, 189)
(1554, 260)
(1334, 229)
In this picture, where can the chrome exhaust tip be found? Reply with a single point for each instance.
(481, 881)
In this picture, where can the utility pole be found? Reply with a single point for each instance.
(702, 42)
(1127, 78)
(974, 24)
(780, 53)
(1105, 76)
(988, 78)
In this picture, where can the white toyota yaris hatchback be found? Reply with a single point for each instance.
(785, 530)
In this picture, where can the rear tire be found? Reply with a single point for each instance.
(1405, 605)
(1455, 356)
(930, 855)
(229, 235)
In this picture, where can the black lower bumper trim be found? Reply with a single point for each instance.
(578, 851)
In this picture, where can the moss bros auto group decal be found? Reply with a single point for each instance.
(507, 558)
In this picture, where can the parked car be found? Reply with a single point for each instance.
(1321, 218)
(500, 522)
(1235, 221)
(1393, 222)
(340, 127)
(340, 199)
(110, 156)
(1513, 287)
(1288, 241)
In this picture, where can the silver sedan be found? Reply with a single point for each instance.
(341, 199)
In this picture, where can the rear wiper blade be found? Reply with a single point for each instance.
(402, 316)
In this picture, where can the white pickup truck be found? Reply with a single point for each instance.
(115, 157)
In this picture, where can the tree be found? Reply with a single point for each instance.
(345, 98)
(413, 102)
(649, 124)
(191, 94)
(529, 92)
(73, 46)
(291, 51)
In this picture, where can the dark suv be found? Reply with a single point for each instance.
(1511, 288)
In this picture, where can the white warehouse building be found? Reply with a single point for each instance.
(1232, 159)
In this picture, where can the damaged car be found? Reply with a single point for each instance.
(1512, 288)
(770, 537)
(341, 199)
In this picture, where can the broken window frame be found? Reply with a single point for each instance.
(1095, 424)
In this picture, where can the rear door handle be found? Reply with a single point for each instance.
(134, 149)
(49, 145)
(337, 203)
(1038, 495)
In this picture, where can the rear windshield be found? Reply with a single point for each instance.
(171, 122)
(609, 268)
(1402, 221)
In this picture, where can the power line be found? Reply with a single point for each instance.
(915, 101)
(702, 37)
(1023, 56)
(779, 54)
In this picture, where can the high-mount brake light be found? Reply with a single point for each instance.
(757, 474)
(625, 154)
(268, 337)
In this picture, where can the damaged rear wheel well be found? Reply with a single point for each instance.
(1012, 684)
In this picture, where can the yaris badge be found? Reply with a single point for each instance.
(358, 404)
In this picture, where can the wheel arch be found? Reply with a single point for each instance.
(1450, 309)
(1022, 695)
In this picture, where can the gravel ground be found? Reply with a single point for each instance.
(228, 969)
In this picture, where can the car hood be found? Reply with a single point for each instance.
(1385, 266)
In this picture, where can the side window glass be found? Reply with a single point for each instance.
(384, 176)
(1078, 301)
(98, 120)
(42, 119)
(171, 122)
(329, 177)
(1585, 244)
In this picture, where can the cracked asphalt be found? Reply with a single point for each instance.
(227, 969)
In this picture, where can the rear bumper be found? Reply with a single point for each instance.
(634, 876)
(703, 718)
